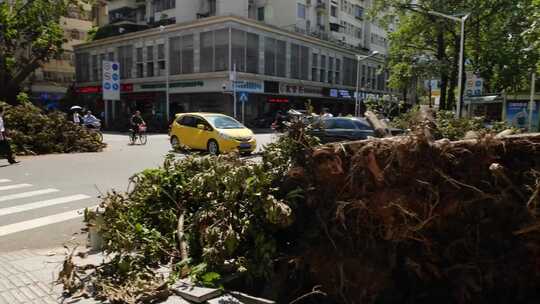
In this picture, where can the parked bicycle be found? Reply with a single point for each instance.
(138, 135)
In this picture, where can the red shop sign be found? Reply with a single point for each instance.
(278, 100)
(125, 87)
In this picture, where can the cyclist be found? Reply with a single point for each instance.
(136, 121)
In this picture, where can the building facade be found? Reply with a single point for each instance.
(193, 62)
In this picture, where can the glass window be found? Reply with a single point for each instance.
(224, 122)
(82, 67)
(281, 58)
(125, 58)
(150, 69)
(94, 67)
(301, 11)
(362, 125)
(189, 121)
(295, 61)
(333, 11)
(221, 39)
(252, 58)
(207, 51)
(187, 54)
(140, 71)
(101, 59)
(260, 13)
(323, 68)
(339, 123)
(150, 53)
(139, 55)
(338, 70)
(161, 52)
(238, 38)
(270, 56)
(175, 55)
(304, 63)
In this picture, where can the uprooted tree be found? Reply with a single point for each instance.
(31, 131)
(393, 220)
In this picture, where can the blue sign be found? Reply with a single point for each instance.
(115, 67)
(243, 96)
(115, 77)
(107, 85)
(115, 86)
(517, 115)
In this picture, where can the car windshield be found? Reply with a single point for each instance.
(224, 122)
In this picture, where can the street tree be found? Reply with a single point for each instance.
(494, 40)
(30, 35)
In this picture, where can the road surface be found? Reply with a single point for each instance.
(41, 198)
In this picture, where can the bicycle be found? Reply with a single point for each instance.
(140, 136)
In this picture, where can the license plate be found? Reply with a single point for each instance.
(245, 146)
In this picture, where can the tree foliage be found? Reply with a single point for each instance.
(30, 34)
(424, 44)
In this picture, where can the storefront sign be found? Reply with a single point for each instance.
(292, 89)
(278, 100)
(111, 80)
(474, 85)
(124, 88)
(339, 93)
(249, 86)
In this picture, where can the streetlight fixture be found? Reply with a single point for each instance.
(462, 20)
(359, 59)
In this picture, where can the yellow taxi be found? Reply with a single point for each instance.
(215, 133)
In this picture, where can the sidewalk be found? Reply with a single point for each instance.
(27, 277)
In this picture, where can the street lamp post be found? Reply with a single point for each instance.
(167, 72)
(461, 55)
(360, 58)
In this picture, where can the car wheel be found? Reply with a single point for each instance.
(213, 147)
(175, 142)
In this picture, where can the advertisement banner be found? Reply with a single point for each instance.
(517, 115)
(111, 80)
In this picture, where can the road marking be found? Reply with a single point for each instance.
(4, 180)
(26, 194)
(18, 186)
(42, 221)
(41, 204)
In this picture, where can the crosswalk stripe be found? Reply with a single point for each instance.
(11, 187)
(42, 221)
(27, 194)
(41, 204)
(4, 180)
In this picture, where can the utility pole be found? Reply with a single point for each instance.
(532, 104)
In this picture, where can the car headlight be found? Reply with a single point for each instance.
(225, 136)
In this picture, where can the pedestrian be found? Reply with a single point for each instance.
(77, 118)
(5, 148)
(326, 114)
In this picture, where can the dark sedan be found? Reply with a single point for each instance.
(345, 129)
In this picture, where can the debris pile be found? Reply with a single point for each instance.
(392, 220)
(34, 132)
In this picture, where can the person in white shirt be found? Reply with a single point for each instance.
(90, 121)
(5, 148)
(76, 118)
(326, 114)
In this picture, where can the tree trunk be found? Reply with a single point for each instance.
(9, 93)
(441, 55)
(454, 73)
